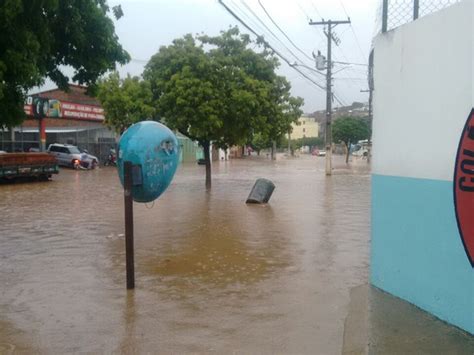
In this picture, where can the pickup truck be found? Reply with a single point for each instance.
(16, 165)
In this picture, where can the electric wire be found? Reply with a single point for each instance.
(298, 62)
(248, 17)
(316, 9)
(364, 57)
(283, 32)
(276, 51)
(270, 31)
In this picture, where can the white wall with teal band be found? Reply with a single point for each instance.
(416, 251)
(421, 103)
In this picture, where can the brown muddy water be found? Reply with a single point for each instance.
(213, 275)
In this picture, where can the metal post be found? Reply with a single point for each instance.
(42, 134)
(128, 199)
(416, 9)
(384, 16)
(329, 103)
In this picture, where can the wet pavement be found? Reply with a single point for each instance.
(213, 275)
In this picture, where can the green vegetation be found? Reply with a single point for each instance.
(350, 130)
(217, 89)
(309, 141)
(125, 101)
(39, 37)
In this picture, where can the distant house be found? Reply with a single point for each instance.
(307, 128)
(190, 151)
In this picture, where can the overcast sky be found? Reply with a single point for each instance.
(149, 24)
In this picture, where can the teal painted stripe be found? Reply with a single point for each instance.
(416, 250)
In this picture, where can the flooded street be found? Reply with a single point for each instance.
(212, 273)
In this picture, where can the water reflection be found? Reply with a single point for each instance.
(255, 278)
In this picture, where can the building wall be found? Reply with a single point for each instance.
(61, 122)
(307, 128)
(76, 93)
(423, 95)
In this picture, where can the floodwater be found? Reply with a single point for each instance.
(213, 275)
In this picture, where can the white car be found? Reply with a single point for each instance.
(70, 155)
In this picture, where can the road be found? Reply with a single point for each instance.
(213, 275)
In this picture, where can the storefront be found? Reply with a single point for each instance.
(70, 117)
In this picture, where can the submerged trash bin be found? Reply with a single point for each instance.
(261, 191)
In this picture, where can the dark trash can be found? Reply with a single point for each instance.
(261, 191)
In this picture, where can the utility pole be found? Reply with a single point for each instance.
(371, 117)
(330, 25)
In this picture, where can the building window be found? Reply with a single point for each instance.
(304, 130)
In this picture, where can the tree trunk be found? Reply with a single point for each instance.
(348, 151)
(289, 144)
(368, 151)
(12, 139)
(207, 158)
(274, 150)
(243, 151)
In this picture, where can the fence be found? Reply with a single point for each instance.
(395, 13)
(98, 140)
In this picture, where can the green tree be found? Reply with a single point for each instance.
(280, 118)
(38, 38)
(216, 89)
(125, 101)
(259, 142)
(309, 141)
(350, 130)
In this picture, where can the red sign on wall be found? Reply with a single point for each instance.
(464, 187)
(65, 109)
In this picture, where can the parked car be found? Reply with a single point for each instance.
(319, 152)
(71, 156)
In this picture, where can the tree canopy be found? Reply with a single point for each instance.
(217, 89)
(39, 39)
(125, 101)
(350, 130)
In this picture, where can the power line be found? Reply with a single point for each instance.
(303, 11)
(268, 45)
(262, 29)
(269, 30)
(348, 78)
(347, 61)
(249, 18)
(283, 32)
(316, 9)
(353, 31)
(277, 52)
